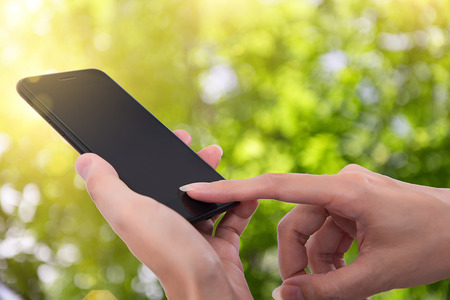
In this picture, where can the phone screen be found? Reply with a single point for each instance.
(96, 115)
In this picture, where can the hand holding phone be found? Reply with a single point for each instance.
(190, 262)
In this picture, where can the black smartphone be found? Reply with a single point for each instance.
(94, 114)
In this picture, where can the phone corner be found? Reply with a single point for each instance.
(95, 70)
(19, 85)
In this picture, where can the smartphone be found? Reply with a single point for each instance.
(94, 114)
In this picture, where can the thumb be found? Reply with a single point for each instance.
(355, 281)
(102, 183)
(158, 236)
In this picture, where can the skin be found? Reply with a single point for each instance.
(401, 230)
(188, 260)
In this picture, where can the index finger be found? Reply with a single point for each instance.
(334, 192)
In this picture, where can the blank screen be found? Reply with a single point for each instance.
(107, 121)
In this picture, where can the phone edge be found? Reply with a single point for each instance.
(64, 132)
(81, 148)
(219, 210)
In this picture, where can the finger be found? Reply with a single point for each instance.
(293, 232)
(183, 135)
(338, 193)
(140, 221)
(232, 225)
(355, 281)
(344, 246)
(229, 230)
(326, 248)
(98, 174)
(111, 195)
(211, 155)
(206, 227)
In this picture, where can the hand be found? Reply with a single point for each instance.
(190, 263)
(402, 230)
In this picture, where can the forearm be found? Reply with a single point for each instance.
(212, 285)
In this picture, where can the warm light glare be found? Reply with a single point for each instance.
(34, 5)
(303, 86)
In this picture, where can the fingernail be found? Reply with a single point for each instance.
(218, 147)
(276, 294)
(82, 166)
(194, 186)
(290, 292)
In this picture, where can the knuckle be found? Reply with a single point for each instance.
(352, 168)
(270, 178)
(283, 224)
(287, 222)
(357, 184)
(287, 230)
(231, 229)
(322, 292)
(359, 175)
(327, 291)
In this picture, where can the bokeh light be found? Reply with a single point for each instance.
(282, 85)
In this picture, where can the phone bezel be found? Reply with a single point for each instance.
(78, 145)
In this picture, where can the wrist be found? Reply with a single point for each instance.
(199, 283)
(444, 220)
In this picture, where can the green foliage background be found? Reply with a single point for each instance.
(281, 85)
